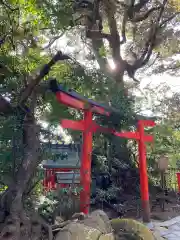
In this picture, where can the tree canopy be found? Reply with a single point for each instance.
(92, 49)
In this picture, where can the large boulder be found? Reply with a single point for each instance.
(94, 227)
(132, 229)
(78, 231)
(108, 236)
(98, 220)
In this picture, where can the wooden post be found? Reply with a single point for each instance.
(162, 173)
(163, 166)
(178, 180)
(143, 174)
(85, 170)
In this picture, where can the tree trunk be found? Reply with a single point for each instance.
(17, 226)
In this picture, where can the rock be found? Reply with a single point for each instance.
(96, 226)
(63, 234)
(108, 236)
(78, 231)
(2, 216)
(58, 220)
(132, 228)
(157, 236)
(79, 216)
(99, 220)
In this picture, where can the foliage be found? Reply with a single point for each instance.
(166, 142)
(166, 133)
(62, 203)
(31, 34)
(11, 148)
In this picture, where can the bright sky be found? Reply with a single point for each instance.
(156, 81)
(76, 48)
(170, 80)
(59, 131)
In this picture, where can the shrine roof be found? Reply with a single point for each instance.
(70, 146)
(60, 166)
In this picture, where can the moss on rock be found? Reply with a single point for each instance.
(129, 229)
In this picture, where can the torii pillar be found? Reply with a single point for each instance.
(88, 127)
(85, 170)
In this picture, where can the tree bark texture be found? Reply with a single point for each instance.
(14, 222)
(17, 225)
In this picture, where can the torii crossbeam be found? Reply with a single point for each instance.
(87, 126)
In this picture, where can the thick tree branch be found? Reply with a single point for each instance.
(132, 9)
(115, 38)
(102, 61)
(31, 187)
(145, 16)
(93, 34)
(35, 80)
(97, 45)
(123, 30)
(147, 49)
(163, 23)
(152, 38)
(149, 45)
(115, 42)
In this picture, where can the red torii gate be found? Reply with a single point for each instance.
(88, 127)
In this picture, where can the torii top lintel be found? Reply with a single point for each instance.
(74, 100)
